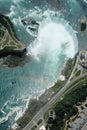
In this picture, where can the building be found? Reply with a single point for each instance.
(42, 128)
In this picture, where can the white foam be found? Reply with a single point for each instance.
(16, 1)
(3, 111)
(85, 1)
(17, 110)
(62, 77)
(51, 37)
(12, 12)
(3, 119)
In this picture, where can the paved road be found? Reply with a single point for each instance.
(84, 127)
(72, 74)
(51, 102)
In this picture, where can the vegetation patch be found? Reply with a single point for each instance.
(34, 127)
(65, 108)
(58, 85)
(78, 73)
(7, 33)
(68, 68)
(39, 122)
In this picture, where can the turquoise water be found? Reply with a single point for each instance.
(57, 40)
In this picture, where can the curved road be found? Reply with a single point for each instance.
(51, 102)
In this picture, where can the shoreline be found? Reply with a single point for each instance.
(41, 93)
(40, 100)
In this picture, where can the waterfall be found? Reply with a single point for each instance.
(55, 37)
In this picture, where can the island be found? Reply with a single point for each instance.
(12, 51)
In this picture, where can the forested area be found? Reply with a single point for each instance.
(66, 107)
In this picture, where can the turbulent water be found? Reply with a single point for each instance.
(57, 39)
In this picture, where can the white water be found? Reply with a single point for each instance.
(56, 41)
(85, 1)
(55, 38)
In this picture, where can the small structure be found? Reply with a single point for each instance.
(15, 126)
(42, 127)
(52, 114)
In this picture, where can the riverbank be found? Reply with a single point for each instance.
(35, 104)
(71, 68)
(66, 108)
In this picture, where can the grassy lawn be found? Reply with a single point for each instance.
(39, 122)
(34, 127)
(69, 67)
(9, 26)
(5, 41)
(77, 73)
(58, 85)
(1, 33)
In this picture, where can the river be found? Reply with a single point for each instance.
(58, 39)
